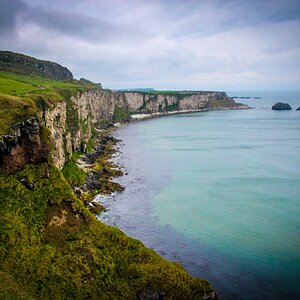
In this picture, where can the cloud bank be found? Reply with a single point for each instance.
(167, 44)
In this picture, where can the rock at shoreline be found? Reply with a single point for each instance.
(298, 108)
(281, 106)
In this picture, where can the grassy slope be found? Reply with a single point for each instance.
(17, 90)
(82, 258)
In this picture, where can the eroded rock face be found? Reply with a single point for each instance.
(281, 106)
(22, 147)
(55, 120)
(140, 102)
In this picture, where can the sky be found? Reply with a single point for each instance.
(167, 44)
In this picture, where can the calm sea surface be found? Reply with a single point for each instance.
(220, 193)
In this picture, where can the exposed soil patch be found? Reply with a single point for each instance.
(62, 223)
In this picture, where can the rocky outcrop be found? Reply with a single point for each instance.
(281, 106)
(26, 65)
(55, 120)
(23, 147)
(140, 102)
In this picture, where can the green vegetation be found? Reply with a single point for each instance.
(52, 247)
(37, 87)
(20, 93)
(90, 145)
(26, 65)
(120, 114)
(223, 104)
(72, 173)
(108, 169)
(84, 125)
(14, 109)
(184, 93)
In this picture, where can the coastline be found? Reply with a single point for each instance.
(105, 154)
(137, 117)
(101, 183)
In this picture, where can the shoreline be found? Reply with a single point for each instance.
(106, 154)
(101, 169)
(143, 116)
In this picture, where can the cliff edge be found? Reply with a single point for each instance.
(51, 244)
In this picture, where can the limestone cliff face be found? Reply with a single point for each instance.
(55, 120)
(140, 102)
(73, 122)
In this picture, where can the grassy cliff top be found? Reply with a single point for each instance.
(21, 95)
(27, 77)
(14, 109)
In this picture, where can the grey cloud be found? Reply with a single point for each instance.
(172, 44)
(76, 25)
(64, 22)
(9, 10)
(205, 18)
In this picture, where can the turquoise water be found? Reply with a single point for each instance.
(220, 193)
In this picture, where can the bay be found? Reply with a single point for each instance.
(218, 192)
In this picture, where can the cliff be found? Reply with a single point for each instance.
(51, 245)
(73, 121)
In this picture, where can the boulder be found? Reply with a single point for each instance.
(298, 108)
(281, 106)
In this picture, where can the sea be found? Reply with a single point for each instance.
(218, 192)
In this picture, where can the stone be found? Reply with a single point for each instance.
(281, 106)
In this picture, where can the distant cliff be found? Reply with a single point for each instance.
(26, 65)
(72, 122)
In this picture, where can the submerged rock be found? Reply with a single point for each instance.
(281, 106)
(298, 108)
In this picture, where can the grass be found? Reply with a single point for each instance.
(21, 96)
(36, 86)
(14, 109)
(72, 173)
(223, 104)
(52, 247)
(21, 85)
(120, 114)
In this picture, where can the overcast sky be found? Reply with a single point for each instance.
(167, 44)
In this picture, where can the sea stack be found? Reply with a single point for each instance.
(281, 106)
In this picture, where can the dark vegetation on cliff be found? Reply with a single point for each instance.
(26, 65)
(51, 245)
